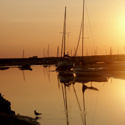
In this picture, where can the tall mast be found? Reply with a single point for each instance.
(81, 33)
(83, 20)
(64, 32)
(63, 46)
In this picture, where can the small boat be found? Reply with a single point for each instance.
(64, 65)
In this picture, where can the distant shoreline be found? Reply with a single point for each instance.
(53, 60)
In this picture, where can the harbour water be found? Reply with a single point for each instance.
(96, 102)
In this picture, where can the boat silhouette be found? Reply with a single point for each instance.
(82, 107)
(66, 77)
(64, 64)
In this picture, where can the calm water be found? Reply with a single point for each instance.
(41, 89)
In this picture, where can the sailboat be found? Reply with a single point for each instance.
(81, 68)
(64, 64)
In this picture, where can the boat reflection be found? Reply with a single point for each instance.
(68, 79)
(64, 93)
(88, 78)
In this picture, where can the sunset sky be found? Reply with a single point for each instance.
(32, 25)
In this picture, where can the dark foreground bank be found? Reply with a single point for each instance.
(8, 116)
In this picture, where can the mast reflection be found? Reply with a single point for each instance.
(69, 79)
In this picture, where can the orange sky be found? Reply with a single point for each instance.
(33, 24)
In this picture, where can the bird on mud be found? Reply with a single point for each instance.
(37, 113)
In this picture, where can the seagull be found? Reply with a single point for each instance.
(36, 113)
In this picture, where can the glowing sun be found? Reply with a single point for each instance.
(121, 24)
